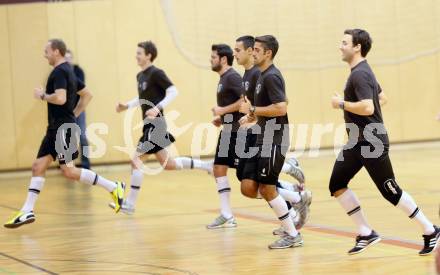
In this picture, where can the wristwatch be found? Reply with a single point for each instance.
(341, 105)
(42, 96)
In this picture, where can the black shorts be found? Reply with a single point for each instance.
(350, 161)
(251, 139)
(265, 167)
(225, 153)
(154, 139)
(67, 147)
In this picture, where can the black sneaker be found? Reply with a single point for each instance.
(362, 242)
(431, 242)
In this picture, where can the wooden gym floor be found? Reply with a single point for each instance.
(76, 233)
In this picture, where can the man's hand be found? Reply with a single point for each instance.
(217, 121)
(245, 106)
(121, 107)
(38, 93)
(217, 111)
(152, 113)
(336, 100)
(246, 119)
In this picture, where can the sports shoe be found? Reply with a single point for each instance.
(126, 208)
(431, 242)
(20, 218)
(295, 170)
(118, 195)
(287, 241)
(222, 222)
(363, 242)
(303, 207)
(280, 230)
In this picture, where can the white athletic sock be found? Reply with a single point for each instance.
(191, 163)
(351, 205)
(286, 185)
(408, 205)
(280, 208)
(290, 196)
(286, 168)
(136, 181)
(294, 215)
(90, 177)
(203, 165)
(183, 163)
(224, 191)
(35, 187)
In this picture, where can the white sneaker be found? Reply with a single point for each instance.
(125, 207)
(222, 222)
(303, 207)
(295, 170)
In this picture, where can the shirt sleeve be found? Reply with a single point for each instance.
(362, 84)
(60, 80)
(79, 85)
(162, 80)
(275, 89)
(235, 85)
(80, 73)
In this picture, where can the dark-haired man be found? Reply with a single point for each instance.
(243, 53)
(81, 119)
(229, 91)
(270, 111)
(368, 147)
(155, 92)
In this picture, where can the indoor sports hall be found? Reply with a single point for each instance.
(74, 231)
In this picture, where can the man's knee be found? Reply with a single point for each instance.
(37, 168)
(69, 172)
(390, 190)
(249, 189)
(220, 170)
(40, 165)
(337, 185)
(268, 192)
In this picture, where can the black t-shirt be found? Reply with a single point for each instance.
(229, 90)
(79, 73)
(62, 77)
(152, 85)
(362, 84)
(250, 78)
(270, 90)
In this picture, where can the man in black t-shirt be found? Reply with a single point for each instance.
(270, 112)
(155, 92)
(60, 141)
(81, 119)
(229, 91)
(368, 147)
(243, 53)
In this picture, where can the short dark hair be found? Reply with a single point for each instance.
(149, 48)
(361, 37)
(224, 50)
(248, 41)
(269, 43)
(58, 44)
